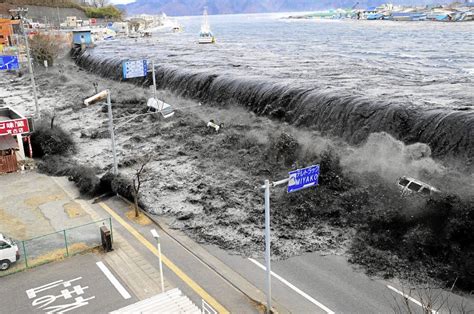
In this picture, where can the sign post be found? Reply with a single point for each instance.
(298, 179)
(154, 78)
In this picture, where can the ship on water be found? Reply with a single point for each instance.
(206, 36)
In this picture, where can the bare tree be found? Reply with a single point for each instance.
(430, 300)
(138, 180)
(99, 3)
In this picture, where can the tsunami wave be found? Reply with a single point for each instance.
(449, 132)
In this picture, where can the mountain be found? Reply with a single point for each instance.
(195, 7)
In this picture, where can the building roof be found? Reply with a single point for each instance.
(8, 142)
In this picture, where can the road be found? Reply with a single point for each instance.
(312, 283)
(305, 284)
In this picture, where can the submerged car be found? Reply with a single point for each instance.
(409, 186)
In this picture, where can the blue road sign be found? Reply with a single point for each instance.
(303, 178)
(9, 63)
(137, 68)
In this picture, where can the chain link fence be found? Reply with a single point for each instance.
(58, 245)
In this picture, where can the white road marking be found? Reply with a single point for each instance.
(410, 298)
(114, 280)
(300, 292)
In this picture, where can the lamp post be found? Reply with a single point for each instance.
(100, 96)
(155, 235)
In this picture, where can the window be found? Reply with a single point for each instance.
(425, 191)
(403, 182)
(4, 245)
(414, 186)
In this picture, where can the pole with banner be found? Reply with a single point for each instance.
(297, 180)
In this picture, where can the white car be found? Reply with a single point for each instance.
(9, 253)
(409, 185)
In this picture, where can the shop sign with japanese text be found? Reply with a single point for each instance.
(17, 126)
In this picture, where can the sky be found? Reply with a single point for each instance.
(121, 1)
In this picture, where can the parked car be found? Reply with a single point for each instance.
(9, 253)
(409, 186)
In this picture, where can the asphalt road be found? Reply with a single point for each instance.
(312, 283)
(74, 285)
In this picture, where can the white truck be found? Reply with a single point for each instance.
(9, 253)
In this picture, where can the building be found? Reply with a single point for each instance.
(82, 38)
(71, 21)
(13, 126)
(7, 28)
(8, 159)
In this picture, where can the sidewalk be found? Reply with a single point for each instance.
(132, 268)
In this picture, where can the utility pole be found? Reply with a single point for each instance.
(59, 19)
(19, 12)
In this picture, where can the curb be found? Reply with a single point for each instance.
(224, 271)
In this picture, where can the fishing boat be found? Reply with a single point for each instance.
(408, 16)
(206, 36)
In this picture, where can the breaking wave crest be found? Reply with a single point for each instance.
(448, 132)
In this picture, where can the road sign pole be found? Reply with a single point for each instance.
(267, 245)
(30, 67)
(112, 133)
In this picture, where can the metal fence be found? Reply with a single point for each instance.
(58, 245)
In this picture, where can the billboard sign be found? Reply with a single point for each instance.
(303, 178)
(17, 126)
(9, 63)
(134, 68)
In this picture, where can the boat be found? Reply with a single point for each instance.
(206, 36)
(408, 16)
(176, 27)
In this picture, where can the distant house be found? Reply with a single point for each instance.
(82, 38)
(121, 28)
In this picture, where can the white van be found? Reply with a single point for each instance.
(409, 185)
(9, 253)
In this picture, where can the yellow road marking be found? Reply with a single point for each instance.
(191, 283)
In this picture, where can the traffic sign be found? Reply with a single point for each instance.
(9, 63)
(136, 68)
(303, 178)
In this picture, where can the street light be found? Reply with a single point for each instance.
(97, 97)
(155, 235)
